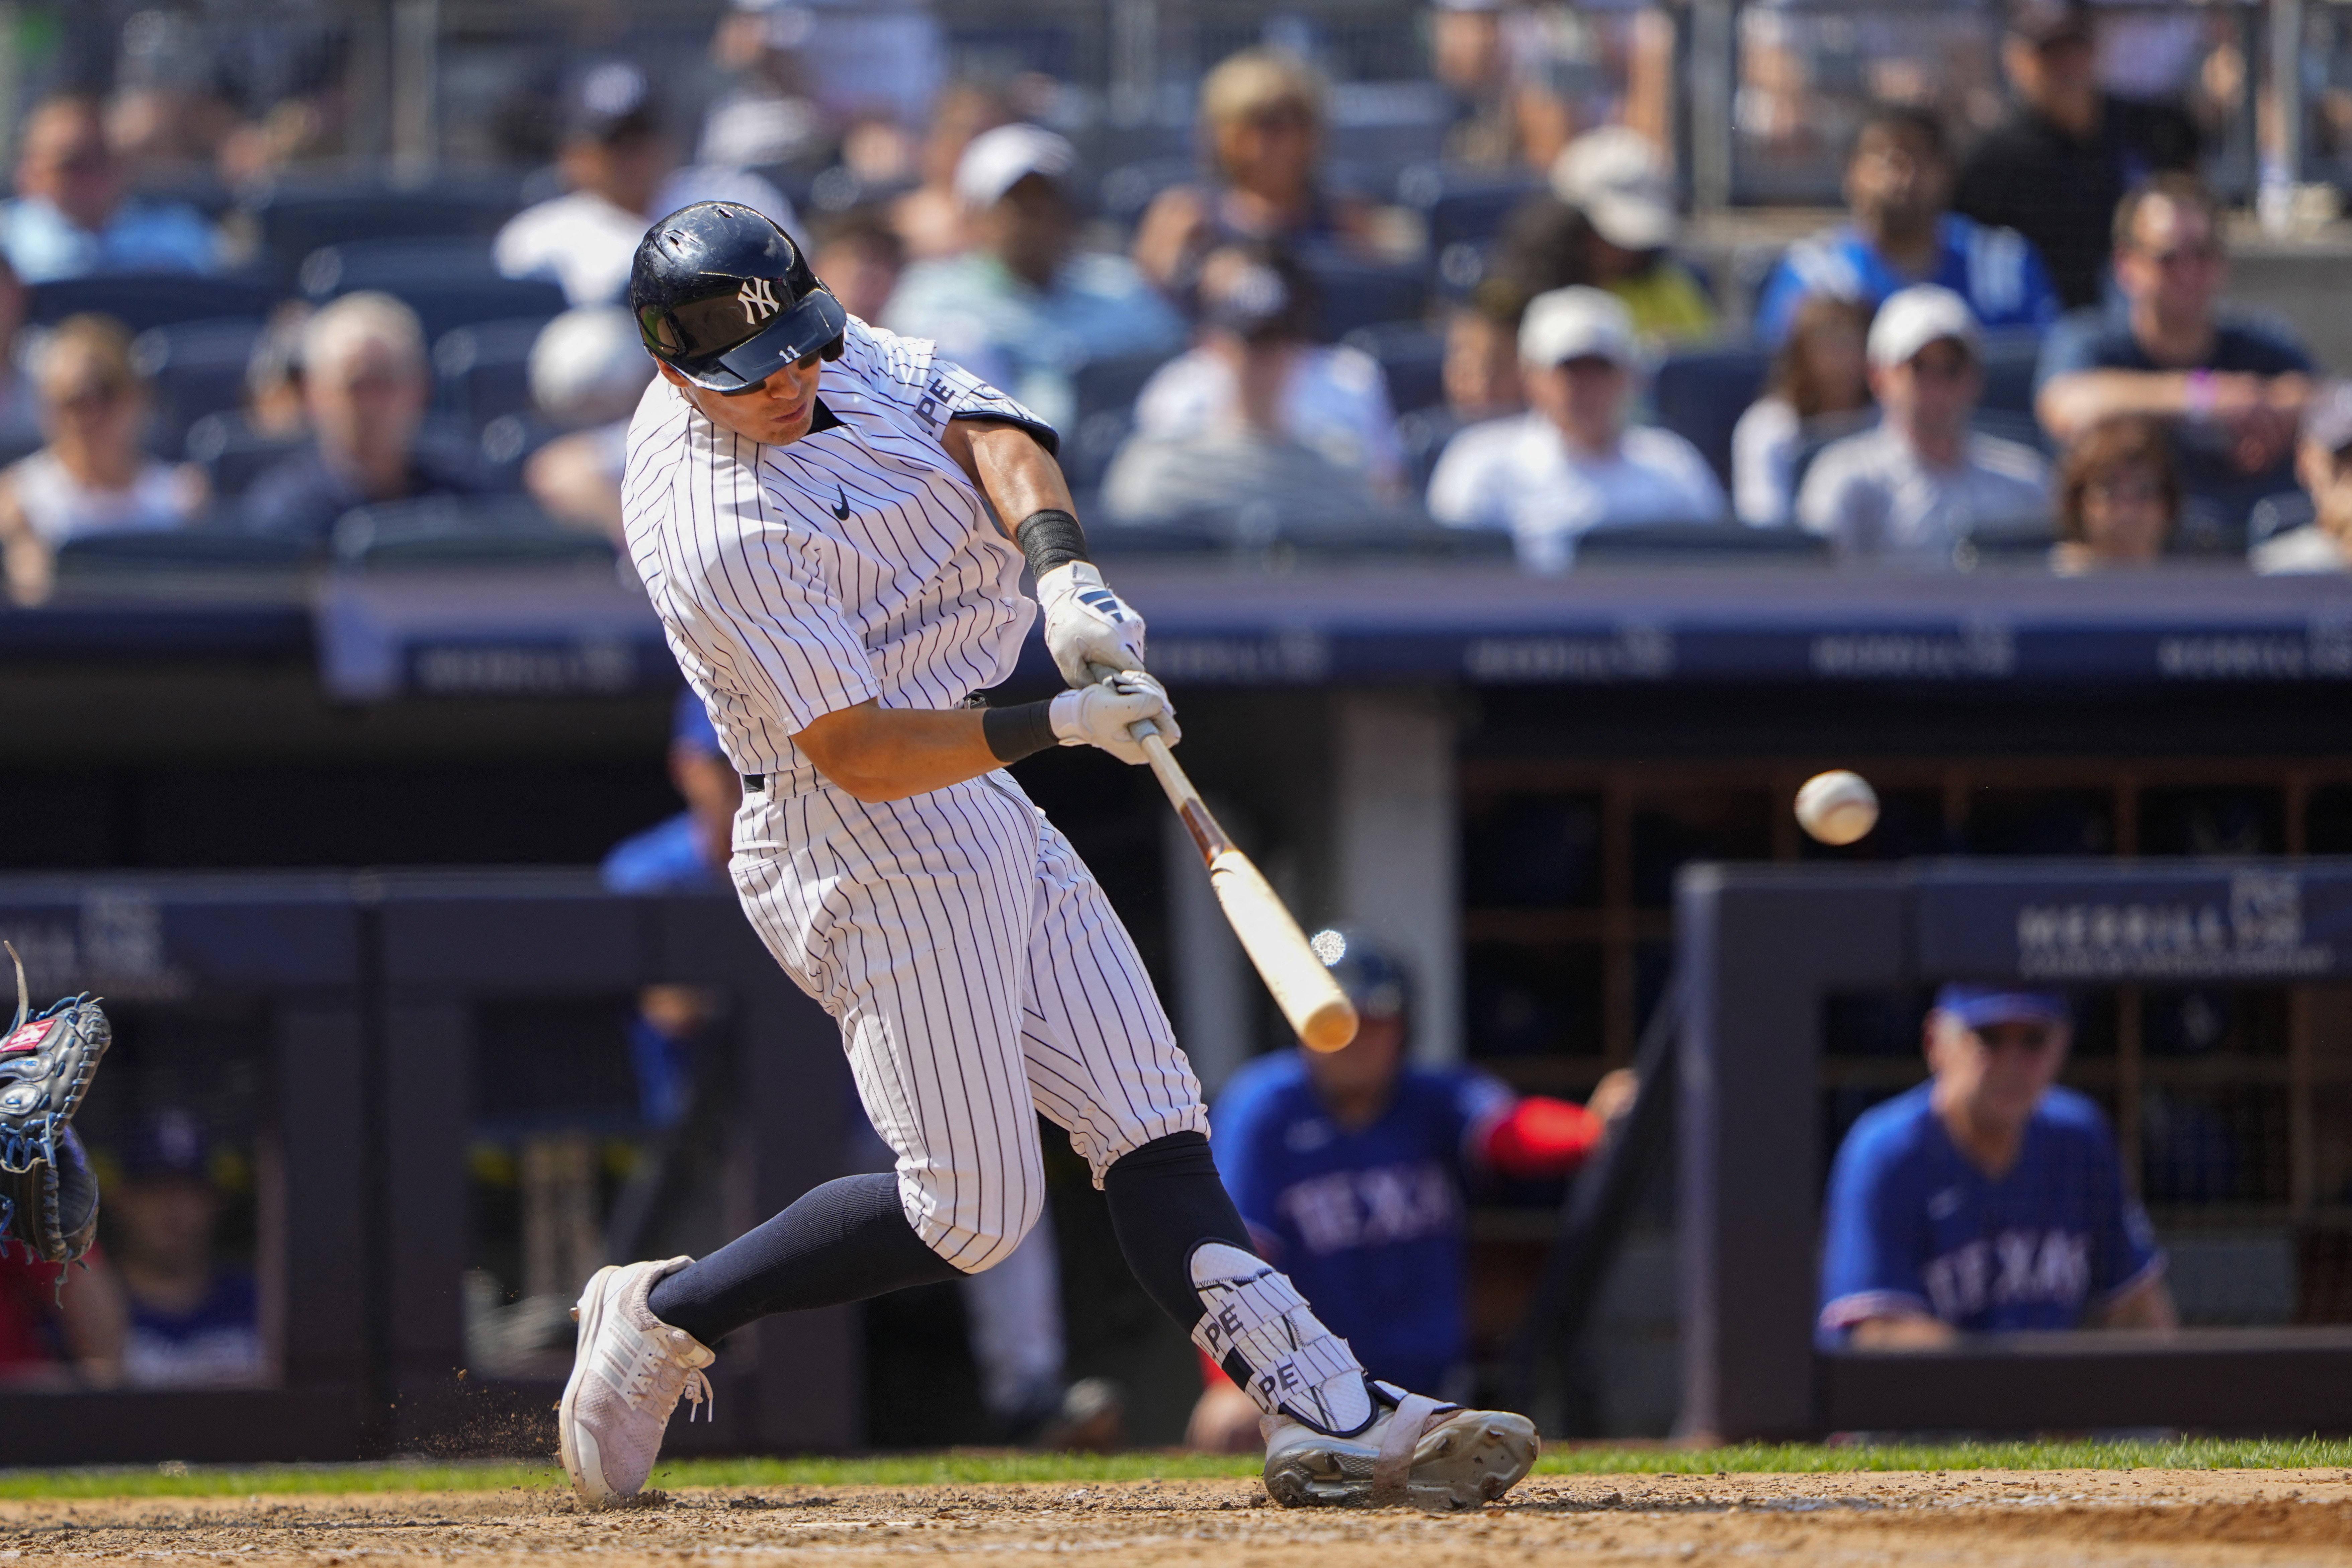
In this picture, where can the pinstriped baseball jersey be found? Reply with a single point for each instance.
(976, 969)
(855, 564)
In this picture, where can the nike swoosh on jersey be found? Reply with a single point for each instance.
(841, 511)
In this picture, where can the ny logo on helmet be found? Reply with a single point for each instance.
(758, 298)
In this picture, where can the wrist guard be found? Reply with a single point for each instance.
(1049, 539)
(1021, 731)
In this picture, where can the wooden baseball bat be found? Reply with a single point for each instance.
(1318, 1011)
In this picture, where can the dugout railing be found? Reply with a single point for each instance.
(291, 948)
(371, 990)
(450, 944)
(1762, 949)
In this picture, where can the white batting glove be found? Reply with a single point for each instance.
(1087, 624)
(1098, 714)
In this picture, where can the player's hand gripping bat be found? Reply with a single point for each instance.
(1302, 987)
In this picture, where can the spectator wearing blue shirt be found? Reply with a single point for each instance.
(1025, 309)
(365, 385)
(70, 217)
(1898, 184)
(1987, 1200)
(2230, 389)
(1353, 1168)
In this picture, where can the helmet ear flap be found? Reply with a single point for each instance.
(835, 349)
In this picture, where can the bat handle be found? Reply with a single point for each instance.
(1207, 835)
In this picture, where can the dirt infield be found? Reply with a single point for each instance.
(1968, 1519)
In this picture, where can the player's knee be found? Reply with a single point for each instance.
(977, 1233)
(987, 1246)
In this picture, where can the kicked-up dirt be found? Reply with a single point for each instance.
(2004, 1519)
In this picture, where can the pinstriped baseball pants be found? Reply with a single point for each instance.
(979, 976)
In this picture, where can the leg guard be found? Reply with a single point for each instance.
(1257, 1325)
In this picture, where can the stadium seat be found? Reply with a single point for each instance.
(1460, 206)
(459, 290)
(1700, 394)
(484, 370)
(2010, 357)
(450, 531)
(387, 264)
(2274, 515)
(197, 368)
(1127, 190)
(1363, 294)
(2011, 541)
(291, 221)
(1698, 544)
(143, 299)
(233, 453)
(1105, 392)
(1258, 531)
(1411, 356)
(195, 562)
(1423, 434)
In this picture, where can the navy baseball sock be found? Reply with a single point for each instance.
(1166, 1198)
(843, 1241)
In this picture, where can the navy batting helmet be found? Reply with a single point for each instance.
(1372, 979)
(726, 298)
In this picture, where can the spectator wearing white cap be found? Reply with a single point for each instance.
(588, 370)
(1915, 487)
(1617, 180)
(620, 162)
(1025, 309)
(1571, 464)
(2323, 463)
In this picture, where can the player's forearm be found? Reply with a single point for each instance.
(2073, 403)
(2149, 1307)
(879, 754)
(1905, 1334)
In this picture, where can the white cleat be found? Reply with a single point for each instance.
(1417, 1451)
(626, 1376)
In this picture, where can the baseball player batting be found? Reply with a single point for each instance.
(807, 499)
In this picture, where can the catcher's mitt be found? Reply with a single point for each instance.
(49, 1196)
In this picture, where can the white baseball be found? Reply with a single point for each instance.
(1838, 807)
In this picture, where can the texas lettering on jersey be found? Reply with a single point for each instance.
(2015, 1267)
(1372, 1207)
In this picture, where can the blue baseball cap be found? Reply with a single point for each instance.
(170, 1143)
(1980, 1006)
(1372, 979)
(690, 725)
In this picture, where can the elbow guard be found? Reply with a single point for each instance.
(1540, 1137)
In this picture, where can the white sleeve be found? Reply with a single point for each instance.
(909, 372)
(1461, 490)
(1837, 501)
(520, 250)
(1763, 454)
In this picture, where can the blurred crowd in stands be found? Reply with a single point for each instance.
(2018, 347)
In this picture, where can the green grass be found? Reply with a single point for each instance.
(935, 1470)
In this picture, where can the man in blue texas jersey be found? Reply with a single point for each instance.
(1899, 185)
(1351, 1170)
(1987, 1199)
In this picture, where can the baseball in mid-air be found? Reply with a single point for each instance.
(1837, 806)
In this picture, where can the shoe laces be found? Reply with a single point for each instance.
(658, 1376)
